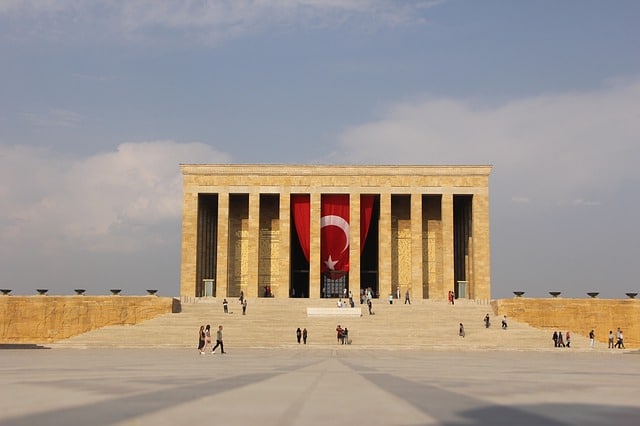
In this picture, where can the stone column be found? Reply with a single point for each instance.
(314, 250)
(252, 289)
(448, 276)
(354, 243)
(222, 279)
(189, 244)
(416, 248)
(481, 261)
(384, 246)
(284, 264)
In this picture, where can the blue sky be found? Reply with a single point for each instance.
(101, 100)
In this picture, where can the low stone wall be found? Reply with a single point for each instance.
(577, 315)
(42, 319)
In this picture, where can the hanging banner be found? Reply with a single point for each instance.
(334, 234)
(301, 208)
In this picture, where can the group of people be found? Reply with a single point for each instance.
(615, 340)
(407, 296)
(345, 304)
(204, 340)
(343, 335)
(243, 304)
(301, 335)
(619, 339)
(559, 339)
(487, 322)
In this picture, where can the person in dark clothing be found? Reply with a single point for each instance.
(304, 335)
(201, 339)
(555, 339)
(299, 334)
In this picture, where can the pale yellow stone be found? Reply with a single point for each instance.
(39, 319)
(415, 225)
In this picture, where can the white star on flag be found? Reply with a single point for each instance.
(331, 264)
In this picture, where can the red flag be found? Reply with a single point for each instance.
(334, 233)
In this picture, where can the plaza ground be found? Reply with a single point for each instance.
(313, 385)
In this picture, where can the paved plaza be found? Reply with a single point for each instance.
(332, 385)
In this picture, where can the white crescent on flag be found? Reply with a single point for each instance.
(333, 220)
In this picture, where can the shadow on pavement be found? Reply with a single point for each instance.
(22, 346)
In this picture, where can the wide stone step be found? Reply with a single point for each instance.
(270, 324)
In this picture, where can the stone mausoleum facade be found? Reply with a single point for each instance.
(323, 231)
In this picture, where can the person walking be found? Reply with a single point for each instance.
(207, 339)
(611, 342)
(339, 333)
(560, 340)
(461, 330)
(219, 341)
(244, 307)
(201, 339)
(225, 306)
(555, 339)
(487, 321)
(568, 337)
(592, 336)
(504, 322)
(370, 306)
(620, 342)
(298, 334)
(407, 299)
(241, 298)
(304, 335)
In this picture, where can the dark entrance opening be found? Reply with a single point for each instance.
(299, 272)
(207, 245)
(335, 284)
(369, 257)
(462, 214)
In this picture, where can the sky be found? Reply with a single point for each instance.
(100, 101)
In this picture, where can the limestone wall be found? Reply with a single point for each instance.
(41, 319)
(577, 315)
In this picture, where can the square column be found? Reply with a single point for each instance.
(354, 243)
(251, 289)
(314, 250)
(417, 276)
(384, 246)
(448, 276)
(222, 279)
(284, 265)
(189, 244)
(481, 260)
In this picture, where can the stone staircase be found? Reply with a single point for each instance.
(273, 322)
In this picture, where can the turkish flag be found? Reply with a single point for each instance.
(334, 233)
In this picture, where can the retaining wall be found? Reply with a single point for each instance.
(41, 319)
(576, 315)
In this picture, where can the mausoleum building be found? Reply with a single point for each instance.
(324, 231)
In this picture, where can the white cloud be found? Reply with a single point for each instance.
(111, 201)
(214, 20)
(553, 147)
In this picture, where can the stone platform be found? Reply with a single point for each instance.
(303, 385)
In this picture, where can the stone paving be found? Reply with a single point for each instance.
(331, 385)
